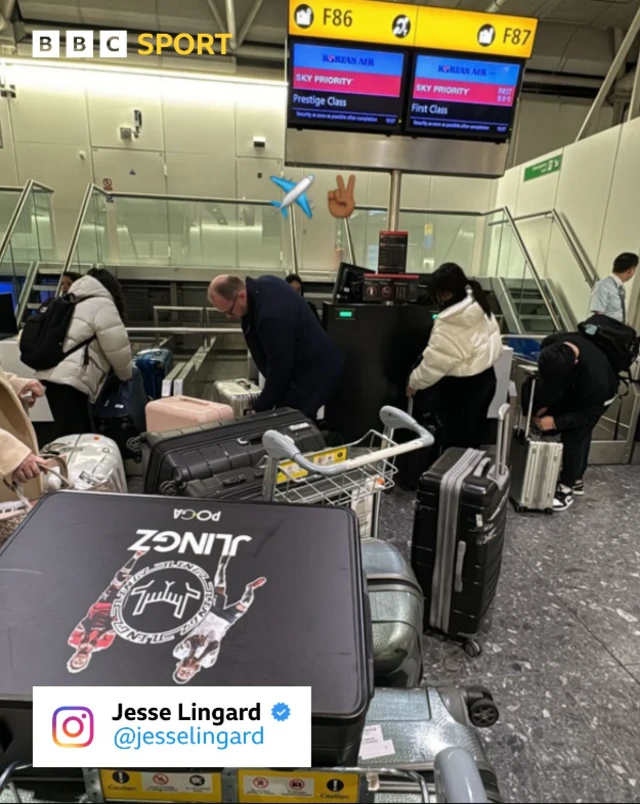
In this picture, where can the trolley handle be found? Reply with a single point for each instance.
(282, 447)
(457, 778)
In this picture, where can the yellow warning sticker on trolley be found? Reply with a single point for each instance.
(289, 787)
(289, 470)
(121, 785)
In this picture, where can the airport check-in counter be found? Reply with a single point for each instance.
(381, 344)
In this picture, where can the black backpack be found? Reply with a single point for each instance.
(44, 333)
(618, 341)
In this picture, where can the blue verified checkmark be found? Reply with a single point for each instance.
(280, 712)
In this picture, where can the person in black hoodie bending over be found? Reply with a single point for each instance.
(299, 362)
(577, 385)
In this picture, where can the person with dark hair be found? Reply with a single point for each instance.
(577, 384)
(68, 278)
(464, 346)
(609, 296)
(77, 380)
(297, 284)
(299, 362)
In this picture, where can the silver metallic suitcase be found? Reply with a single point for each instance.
(535, 465)
(397, 611)
(416, 726)
(240, 394)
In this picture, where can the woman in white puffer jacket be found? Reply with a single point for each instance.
(464, 346)
(75, 383)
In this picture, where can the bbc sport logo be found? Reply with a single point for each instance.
(73, 727)
(114, 44)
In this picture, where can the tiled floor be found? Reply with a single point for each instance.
(561, 646)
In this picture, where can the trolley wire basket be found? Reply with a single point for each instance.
(353, 476)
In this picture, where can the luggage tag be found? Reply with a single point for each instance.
(289, 470)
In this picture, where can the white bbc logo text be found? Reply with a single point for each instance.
(79, 44)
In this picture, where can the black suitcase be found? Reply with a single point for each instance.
(173, 459)
(120, 414)
(458, 539)
(412, 465)
(238, 484)
(298, 628)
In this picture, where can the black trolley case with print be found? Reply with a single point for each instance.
(458, 538)
(175, 458)
(82, 562)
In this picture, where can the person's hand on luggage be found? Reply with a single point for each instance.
(541, 413)
(30, 392)
(29, 469)
(411, 391)
(545, 423)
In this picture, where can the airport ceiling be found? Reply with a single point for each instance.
(269, 24)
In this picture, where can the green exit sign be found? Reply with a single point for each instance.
(540, 169)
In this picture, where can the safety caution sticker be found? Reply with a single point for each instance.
(289, 470)
(121, 785)
(290, 787)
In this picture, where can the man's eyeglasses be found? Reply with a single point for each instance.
(231, 309)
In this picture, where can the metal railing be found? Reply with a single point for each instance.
(113, 196)
(15, 217)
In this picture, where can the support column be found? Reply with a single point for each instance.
(394, 200)
(611, 77)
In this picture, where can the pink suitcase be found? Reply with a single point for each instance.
(176, 412)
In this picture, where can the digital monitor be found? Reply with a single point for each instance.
(349, 284)
(346, 88)
(462, 97)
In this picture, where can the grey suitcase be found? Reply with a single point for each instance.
(397, 611)
(418, 726)
(536, 462)
(240, 394)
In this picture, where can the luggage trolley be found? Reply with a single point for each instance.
(352, 476)
(456, 779)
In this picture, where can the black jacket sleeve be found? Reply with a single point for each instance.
(578, 418)
(276, 339)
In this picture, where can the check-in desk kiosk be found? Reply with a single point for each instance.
(381, 344)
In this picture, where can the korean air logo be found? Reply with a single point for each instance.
(331, 58)
(486, 35)
(445, 68)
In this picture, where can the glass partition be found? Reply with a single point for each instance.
(165, 232)
(29, 239)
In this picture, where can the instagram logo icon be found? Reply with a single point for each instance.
(73, 727)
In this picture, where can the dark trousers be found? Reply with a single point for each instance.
(70, 409)
(575, 458)
(461, 405)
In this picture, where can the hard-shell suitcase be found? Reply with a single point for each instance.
(154, 365)
(94, 462)
(114, 623)
(536, 461)
(411, 729)
(173, 459)
(458, 537)
(175, 412)
(240, 394)
(119, 413)
(397, 611)
(236, 484)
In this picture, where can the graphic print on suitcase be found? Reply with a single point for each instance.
(536, 461)
(253, 586)
(240, 394)
(397, 611)
(458, 538)
(175, 412)
(173, 459)
(154, 365)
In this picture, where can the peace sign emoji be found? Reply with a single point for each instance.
(341, 201)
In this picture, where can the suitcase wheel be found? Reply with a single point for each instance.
(484, 713)
(472, 648)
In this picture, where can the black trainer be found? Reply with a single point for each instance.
(578, 488)
(563, 498)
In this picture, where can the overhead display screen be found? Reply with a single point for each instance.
(353, 88)
(462, 98)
